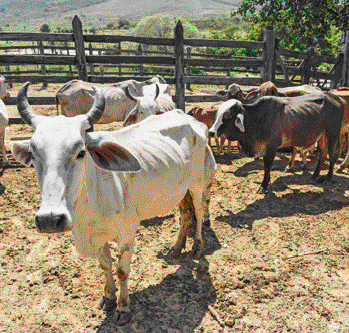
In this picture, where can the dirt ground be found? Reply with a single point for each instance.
(272, 263)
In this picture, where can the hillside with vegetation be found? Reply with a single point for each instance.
(30, 15)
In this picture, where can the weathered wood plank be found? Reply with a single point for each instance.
(37, 59)
(223, 80)
(38, 78)
(345, 50)
(80, 48)
(34, 36)
(32, 101)
(203, 98)
(291, 53)
(179, 66)
(15, 121)
(268, 55)
(134, 39)
(222, 43)
(257, 62)
(117, 59)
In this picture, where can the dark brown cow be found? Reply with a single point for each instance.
(343, 93)
(273, 122)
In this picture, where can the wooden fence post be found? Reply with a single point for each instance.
(43, 67)
(141, 68)
(268, 55)
(92, 66)
(188, 71)
(179, 65)
(230, 53)
(345, 50)
(308, 66)
(70, 66)
(80, 49)
(337, 70)
(119, 53)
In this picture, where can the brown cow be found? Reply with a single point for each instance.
(269, 89)
(273, 122)
(208, 117)
(343, 93)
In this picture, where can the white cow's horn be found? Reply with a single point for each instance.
(24, 109)
(97, 108)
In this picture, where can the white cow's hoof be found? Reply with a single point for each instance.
(107, 304)
(121, 317)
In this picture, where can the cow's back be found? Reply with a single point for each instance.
(294, 121)
(343, 93)
(171, 149)
(207, 116)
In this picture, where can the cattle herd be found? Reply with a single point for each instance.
(100, 185)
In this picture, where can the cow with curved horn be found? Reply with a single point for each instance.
(98, 184)
(144, 107)
(76, 97)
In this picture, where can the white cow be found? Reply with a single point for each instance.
(3, 118)
(101, 185)
(76, 97)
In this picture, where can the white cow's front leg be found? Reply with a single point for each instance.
(3, 149)
(108, 301)
(123, 313)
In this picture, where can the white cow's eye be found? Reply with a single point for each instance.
(81, 154)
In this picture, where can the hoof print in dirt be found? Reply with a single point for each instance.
(121, 318)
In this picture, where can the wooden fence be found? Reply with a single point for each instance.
(283, 67)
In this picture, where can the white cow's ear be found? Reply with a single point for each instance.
(111, 156)
(20, 150)
(239, 122)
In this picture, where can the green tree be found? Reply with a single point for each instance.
(299, 23)
(162, 25)
(45, 28)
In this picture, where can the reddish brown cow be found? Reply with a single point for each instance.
(208, 117)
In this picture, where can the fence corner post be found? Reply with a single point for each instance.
(268, 55)
(80, 49)
(43, 67)
(308, 65)
(179, 65)
(345, 50)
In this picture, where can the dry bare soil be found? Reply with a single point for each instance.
(272, 263)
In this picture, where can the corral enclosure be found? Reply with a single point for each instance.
(184, 62)
(272, 263)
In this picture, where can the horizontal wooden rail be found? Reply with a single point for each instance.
(37, 59)
(224, 62)
(39, 78)
(33, 36)
(222, 80)
(222, 43)
(32, 101)
(133, 39)
(116, 59)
